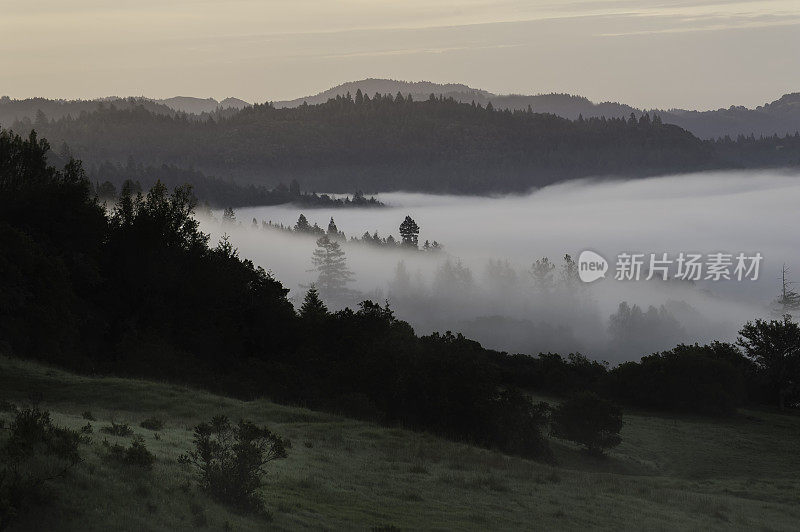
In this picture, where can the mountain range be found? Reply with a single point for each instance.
(384, 143)
(779, 117)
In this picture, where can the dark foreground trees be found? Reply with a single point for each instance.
(589, 420)
(774, 346)
(708, 379)
(141, 292)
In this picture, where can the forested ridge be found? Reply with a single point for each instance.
(384, 143)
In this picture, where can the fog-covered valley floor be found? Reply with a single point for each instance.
(481, 285)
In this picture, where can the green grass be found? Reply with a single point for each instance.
(669, 473)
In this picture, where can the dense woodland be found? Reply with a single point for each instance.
(141, 291)
(386, 142)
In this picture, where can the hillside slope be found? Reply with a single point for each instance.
(669, 473)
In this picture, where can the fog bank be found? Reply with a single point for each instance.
(480, 284)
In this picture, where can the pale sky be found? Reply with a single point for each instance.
(653, 53)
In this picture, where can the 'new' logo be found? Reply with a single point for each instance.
(591, 266)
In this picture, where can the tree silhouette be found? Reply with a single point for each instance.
(313, 308)
(333, 231)
(409, 232)
(302, 225)
(589, 420)
(774, 346)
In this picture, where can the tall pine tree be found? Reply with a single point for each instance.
(330, 261)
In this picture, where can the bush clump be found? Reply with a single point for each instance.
(231, 460)
(117, 429)
(136, 454)
(152, 423)
(36, 453)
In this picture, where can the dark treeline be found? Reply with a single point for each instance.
(762, 151)
(140, 291)
(34, 112)
(109, 179)
(389, 142)
(409, 233)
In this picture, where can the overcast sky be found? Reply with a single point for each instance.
(652, 53)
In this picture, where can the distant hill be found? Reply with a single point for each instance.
(779, 117)
(12, 110)
(198, 106)
(419, 90)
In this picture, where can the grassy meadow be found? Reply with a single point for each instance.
(669, 472)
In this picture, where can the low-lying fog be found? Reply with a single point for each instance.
(499, 303)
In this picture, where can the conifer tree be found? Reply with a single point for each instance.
(302, 225)
(333, 231)
(330, 261)
(409, 231)
(313, 308)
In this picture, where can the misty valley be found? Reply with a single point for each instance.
(483, 282)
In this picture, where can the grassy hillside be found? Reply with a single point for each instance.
(668, 473)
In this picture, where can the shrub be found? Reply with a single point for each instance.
(118, 429)
(231, 460)
(136, 454)
(152, 423)
(589, 420)
(36, 452)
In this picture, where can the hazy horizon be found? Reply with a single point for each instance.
(655, 54)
